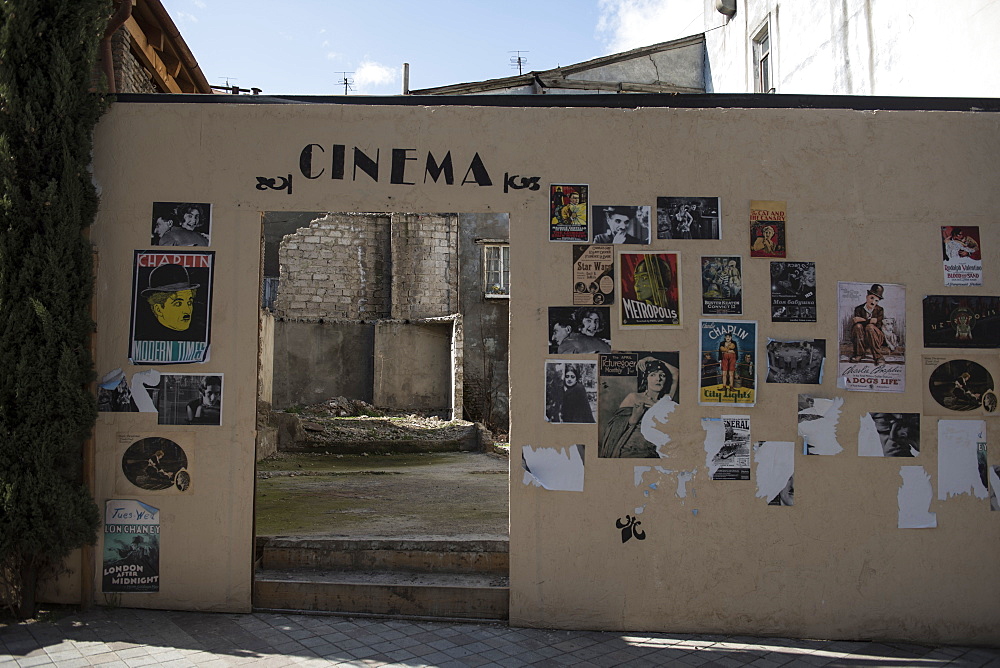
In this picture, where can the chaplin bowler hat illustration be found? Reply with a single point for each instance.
(169, 278)
(876, 290)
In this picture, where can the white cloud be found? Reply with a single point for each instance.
(331, 55)
(629, 24)
(184, 17)
(199, 4)
(371, 76)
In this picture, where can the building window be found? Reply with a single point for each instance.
(762, 61)
(497, 265)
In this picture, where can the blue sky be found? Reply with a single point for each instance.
(302, 46)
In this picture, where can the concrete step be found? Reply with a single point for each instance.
(425, 595)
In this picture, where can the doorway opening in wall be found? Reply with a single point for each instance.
(382, 392)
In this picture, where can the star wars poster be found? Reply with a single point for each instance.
(171, 307)
(796, 361)
(728, 363)
(688, 218)
(872, 337)
(963, 387)
(621, 224)
(582, 330)
(638, 393)
(570, 391)
(568, 205)
(131, 547)
(961, 321)
(793, 292)
(650, 289)
(767, 228)
(722, 285)
(963, 257)
(593, 275)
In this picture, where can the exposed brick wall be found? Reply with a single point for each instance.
(130, 75)
(424, 265)
(338, 267)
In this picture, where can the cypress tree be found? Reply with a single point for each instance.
(48, 50)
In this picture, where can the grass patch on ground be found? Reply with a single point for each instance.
(315, 462)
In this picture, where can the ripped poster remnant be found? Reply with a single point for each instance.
(793, 292)
(963, 257)
(638, 392)
(961, 458)
(568, 204)
(114, 395)
(688, 218)
(961, 321)
(767, 228)
(156, 464)
(552, 469)
(799, 362)
(171, 307)
(728, 363)
(818, 420)
(650, 289)
(583, 330)
(570, 391)
(621, 224)
(889, 435)
(722, 285)
(181, 224)
(775, 462)
(681, 483)
(914, 499)
(960, 385)
(593, 275)
(872, 337)
(727, 447)
(191, 398)
(131, 547)
(994, 479)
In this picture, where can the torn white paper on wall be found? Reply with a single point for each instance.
(715, 438)
(961, 458)
(556, 470)
(914, 499)
(994, 474)
(775, 462)
(683, 478)
(818, 420)
(140, 381)
(655, 420)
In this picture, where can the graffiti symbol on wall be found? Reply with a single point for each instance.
(277, 183)
(630, 528)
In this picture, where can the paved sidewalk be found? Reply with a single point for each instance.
(115, 638)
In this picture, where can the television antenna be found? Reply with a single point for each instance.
(518, 61)
(346, 81)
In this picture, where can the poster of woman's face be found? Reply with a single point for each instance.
(181, 224)
(570, 391)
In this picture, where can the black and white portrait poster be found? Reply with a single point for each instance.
(155, 463)
(963, 256)
(793, 292)
(637, 395)
(688, 218)
(799, 362)
(131, 547)
(650, 289)
(593, 275)
(568, 205)
(722, 285)
(871, 337)
(621, 224)
(966, 385)
(579, 330)
(570, 391)
(181, 224)
(171, 307)
(189, 399)
(961, 321)
(889, 435)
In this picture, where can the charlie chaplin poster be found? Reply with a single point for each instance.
(722, 285)
(593, 275)
(621, 224)
(131, 547)
(638, 392)
(767, 228)
(728, 363)
(793, 292)
(871, 328)
(650, 289)
(171, 307)
(181, 224)
(568, 205)
(688, 218)
(961, 321)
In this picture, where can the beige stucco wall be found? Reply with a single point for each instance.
(866, 195)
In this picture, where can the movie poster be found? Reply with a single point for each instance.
(155, 464)
(722, 285)
(963, 258)
(767, 228)
(131, 547)
(688, 218)
(966, 385)
(582, 330)
(732, 461)
(189, 399)
(799, 362)
(181, 224)
(568, 204)
(621, 224)
(650, 289)
(793, 292)
(872, 337)
(171, 307)
(961, 321)
(570, 391)
(638, 394)
(728, 363)
(593, 275)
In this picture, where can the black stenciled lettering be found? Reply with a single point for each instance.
(398, 173)
(306, 160)
(366, 164)
(479, 174)
(434, 169)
